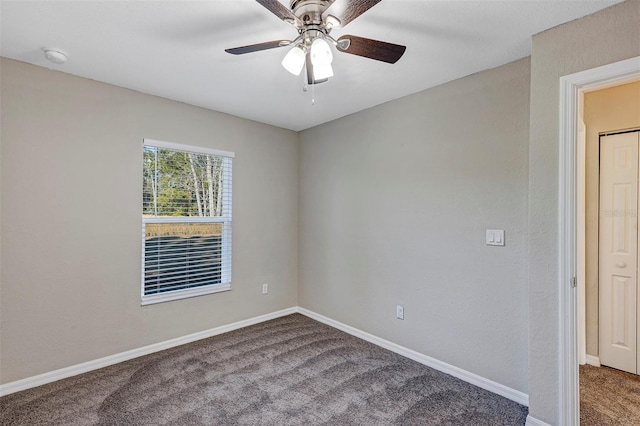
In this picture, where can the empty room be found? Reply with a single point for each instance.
(316, 212)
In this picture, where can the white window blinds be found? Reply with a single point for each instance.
(186, 221)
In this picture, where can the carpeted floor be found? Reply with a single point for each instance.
(288, 371)
(608, 397)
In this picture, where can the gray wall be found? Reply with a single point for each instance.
(394, 204)
(605, 37)
(71, 219)
(606, 110)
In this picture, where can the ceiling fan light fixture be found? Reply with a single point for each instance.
(322, 71)
(311, 49)
(321, 53)
(294, 60)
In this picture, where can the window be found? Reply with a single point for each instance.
(186, 221)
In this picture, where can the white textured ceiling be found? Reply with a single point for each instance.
(175, 49)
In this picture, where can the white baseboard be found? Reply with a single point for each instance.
(84, 367)
(474, 379)
(593, 360)
(532, 421)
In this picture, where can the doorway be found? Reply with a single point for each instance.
(618, 251)
(606, 114)
(571, 87)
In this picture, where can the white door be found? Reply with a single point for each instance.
(619, 251)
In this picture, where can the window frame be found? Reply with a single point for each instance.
(225, 218)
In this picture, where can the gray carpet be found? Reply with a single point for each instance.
(288, 371)
(608, 397)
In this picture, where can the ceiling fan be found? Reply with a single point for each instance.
(314, 20)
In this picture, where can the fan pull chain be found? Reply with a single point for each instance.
(305, 88)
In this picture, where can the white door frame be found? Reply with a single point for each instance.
(570, 88)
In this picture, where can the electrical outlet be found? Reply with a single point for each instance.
(265, 288)
(400, 312)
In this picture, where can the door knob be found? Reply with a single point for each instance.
(621, 264)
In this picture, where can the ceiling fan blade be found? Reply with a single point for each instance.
(348, 10)
(372, 49)
(280, 10)
(258, 47)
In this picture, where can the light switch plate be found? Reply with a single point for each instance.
(495, 237)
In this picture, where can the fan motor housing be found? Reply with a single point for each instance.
(309, 11)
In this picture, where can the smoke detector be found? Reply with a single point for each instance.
(56, 56)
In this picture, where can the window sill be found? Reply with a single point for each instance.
(184, 294)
